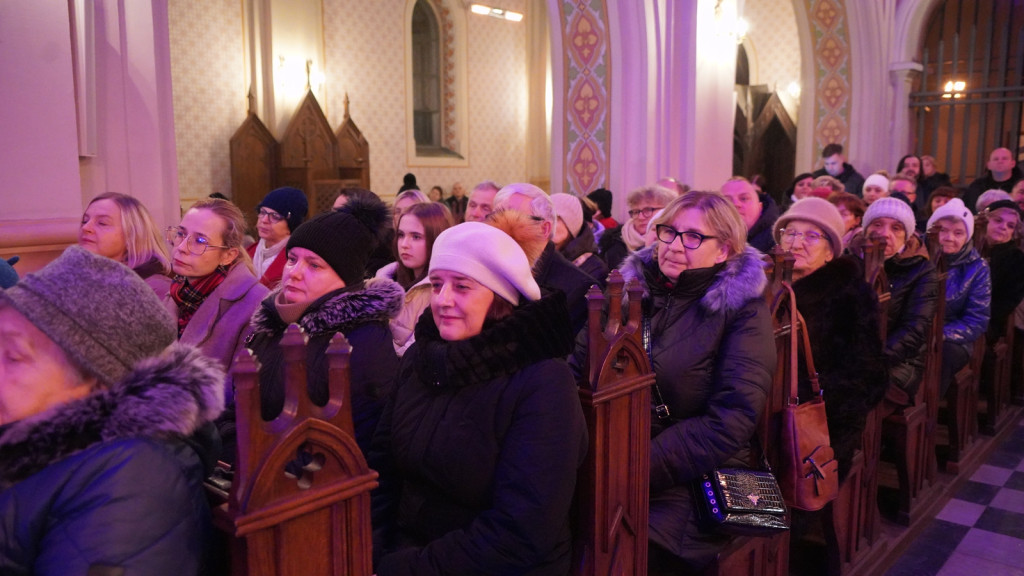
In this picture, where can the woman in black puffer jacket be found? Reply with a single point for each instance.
(713, 355)
(479, 447)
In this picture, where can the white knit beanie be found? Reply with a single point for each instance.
(954, 209)
(891, 208)
(487, 255)
(876, 180)
(569, 209)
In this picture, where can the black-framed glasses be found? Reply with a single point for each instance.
(788, 237)
(691, 240)
(274, 217)
(196, 245)
(646, 212)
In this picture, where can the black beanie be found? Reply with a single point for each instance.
(344, 238)
(290, 203)
(603, 198)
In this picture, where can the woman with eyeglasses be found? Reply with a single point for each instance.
(277, 216)
(119, 227)
(214, 291)
(841, 312)
(616, 244)
(710, 344)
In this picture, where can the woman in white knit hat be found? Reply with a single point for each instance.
(841, 312)
(478, 448)
(968, 287)
(914, 288)
(574, 238)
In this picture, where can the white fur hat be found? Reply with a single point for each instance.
(954, 209)
(569, 209)
(876, 180)
(487, 255)
(891, 208)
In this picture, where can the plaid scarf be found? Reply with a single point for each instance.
(189, 296)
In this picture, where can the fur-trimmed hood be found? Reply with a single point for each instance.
(376, 300)
(740, 281)
(170, 395)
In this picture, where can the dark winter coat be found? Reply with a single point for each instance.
(1006, 262)
(762, 234)
(554, 272)
(968, 297)
(114, 481)
(457, 207)
(361, 313)
(478, 450)
(841, 311)
(583, 253)
(913, 285)
(981, 185)
(852, 180)
(612, 248)
(713, 357)
(928, 184)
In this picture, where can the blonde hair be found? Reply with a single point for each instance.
(718, 212)
(234, 226)
(142, 239)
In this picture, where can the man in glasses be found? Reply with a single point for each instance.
(277, 215)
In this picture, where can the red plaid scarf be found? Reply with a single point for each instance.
(190, 295)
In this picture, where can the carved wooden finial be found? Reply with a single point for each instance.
(346, 105)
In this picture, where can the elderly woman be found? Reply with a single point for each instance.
(480, 445)
(322, 290)
(841, 312)
(418, 227)
(1001, 245)
(643, 203)
(913, 287)
(851, 208)
(968, 287)
(710, 343)
(574, 238)
(119, 227)
(277, 216)
(104, 426)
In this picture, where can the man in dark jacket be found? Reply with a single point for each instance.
(837, 167)
(1001, 175)
(758, 211)
(551, 270)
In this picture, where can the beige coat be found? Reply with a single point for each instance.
(417, 299)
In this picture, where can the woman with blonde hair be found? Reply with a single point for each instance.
(618, 243)
(418, 227)
(709, 338)
(119, 227)
(215, 291)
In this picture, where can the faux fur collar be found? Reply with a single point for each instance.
(378, 299)
(742, 279)
(170, 395)
(535, 331)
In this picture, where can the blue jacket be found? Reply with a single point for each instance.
(114, 480)
(968, 297)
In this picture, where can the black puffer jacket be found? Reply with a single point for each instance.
(612, 248)
(914, 287)
(582, 252)
(1007, 264)
(713, 356)
(762, 234)
(841, 312)
(359, 312)
(479, 448)
(114, 481)
(554, 272)
(968, 297)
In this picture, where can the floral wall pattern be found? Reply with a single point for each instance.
(585, 42)
(830, 36)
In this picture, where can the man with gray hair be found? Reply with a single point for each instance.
(481, 201)
(552, 270)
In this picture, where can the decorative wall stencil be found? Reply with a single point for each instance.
(585, 38)
(832, 72)
(449, 135)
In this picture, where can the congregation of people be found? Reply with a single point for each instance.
(467, 318)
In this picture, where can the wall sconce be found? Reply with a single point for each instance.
(495, 12)
(953, 89)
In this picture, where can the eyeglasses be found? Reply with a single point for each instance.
(196, 245)
(646, 212)
(691, 240)
(788, 237)
(274, 217)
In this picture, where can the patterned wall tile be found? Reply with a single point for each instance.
(830, 35)
(773, 34)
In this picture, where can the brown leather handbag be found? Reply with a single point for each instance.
(808, 471)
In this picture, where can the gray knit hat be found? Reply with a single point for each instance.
(98, 311)
(891, 208)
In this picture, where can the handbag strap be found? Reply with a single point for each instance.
(660, 408)
(798, 324)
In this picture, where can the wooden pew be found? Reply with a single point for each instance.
(962, 412)
(996, 376)
(299, 502)
(612, 491)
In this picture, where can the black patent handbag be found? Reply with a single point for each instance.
(741, 501)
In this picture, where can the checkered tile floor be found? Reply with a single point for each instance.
(980, 531)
